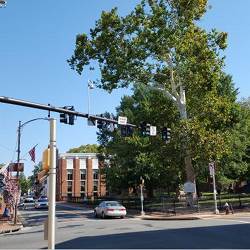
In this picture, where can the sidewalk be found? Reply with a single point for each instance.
(8, 226)
(194, 216)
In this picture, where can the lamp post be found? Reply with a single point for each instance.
(90, 86)
(20, 126)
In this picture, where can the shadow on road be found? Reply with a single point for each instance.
(229, 236)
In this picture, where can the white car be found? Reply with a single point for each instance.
(110, 209)
(42, 203)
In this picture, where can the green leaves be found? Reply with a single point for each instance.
(89, 148)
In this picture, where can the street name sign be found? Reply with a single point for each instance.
(122, 120)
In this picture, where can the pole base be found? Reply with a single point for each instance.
(217, 211)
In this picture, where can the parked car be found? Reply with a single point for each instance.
(28, 199)
(26, 202)
(42, 202)
(110, 209)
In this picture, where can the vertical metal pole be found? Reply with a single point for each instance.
(18, 160)
(52, 186)
(88, 99)
(142, 211)
(216, 211)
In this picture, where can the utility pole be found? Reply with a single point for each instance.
(17, 174)
(52, 186)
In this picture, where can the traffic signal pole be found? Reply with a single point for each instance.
(52, 186)
(18, 102)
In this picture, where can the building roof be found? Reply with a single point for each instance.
(78, 155)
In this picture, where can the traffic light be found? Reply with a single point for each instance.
(63, 118)
(130, 131)
(71, 116)
(46, 159)
(143, 127)
(148, 129)
(67, 118)
(100, 124)
(126, 131)
(123, 131)
(166, 134)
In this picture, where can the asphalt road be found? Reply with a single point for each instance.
(76, 228)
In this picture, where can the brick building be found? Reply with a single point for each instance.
(79, 175)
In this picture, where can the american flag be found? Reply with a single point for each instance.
(32, 154)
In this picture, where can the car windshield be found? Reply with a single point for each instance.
(112, 204)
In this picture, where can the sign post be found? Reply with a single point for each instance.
(212, 174)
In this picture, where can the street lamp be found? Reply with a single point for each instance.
(20, 126)
(90, 86)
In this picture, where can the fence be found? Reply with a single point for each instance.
(172, 205)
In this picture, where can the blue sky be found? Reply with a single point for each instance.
(36, 39)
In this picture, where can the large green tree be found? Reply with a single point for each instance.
(135, 156)
(159, 44)
(238, 163)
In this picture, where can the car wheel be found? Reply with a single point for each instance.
(103, 215)
(122, 217)
(95, 214)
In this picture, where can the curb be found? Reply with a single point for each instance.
(170, 218)
(11, 230)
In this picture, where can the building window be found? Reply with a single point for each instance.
(95, 174)
(95, 164)
(82, 186)
(82, 163)
(70, 175)
(69, 186)
(95, 188)
(69, 164)
(83, 174)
